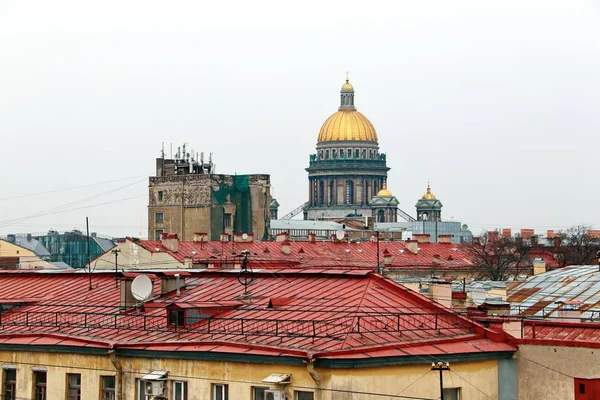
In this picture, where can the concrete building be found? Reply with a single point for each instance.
(187, 197)
(205, 335)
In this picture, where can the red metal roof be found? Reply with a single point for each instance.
(332, 314)
(556, 333)
(322, 254)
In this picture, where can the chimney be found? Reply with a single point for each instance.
(569, 311)
(126, 298)
(29, 237)
(445, 238)
(94, 234)
(286, 247)
(169, 282)
(496, 306)
(249, 237)
(170, 241)
(534, 240)
(506, 232)
(411, 246)
(421, 237)
(200, 237)
(513, 327)
(539, 266)
(224, 237)
(442, 292)
(312, 238)
(519, 241)
(556, 242)
(550, 233)
(527, 233)
(237, 237)
(187, 262)
(282, 237)
(387, 258)
(374, 237)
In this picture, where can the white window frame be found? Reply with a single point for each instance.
(182, 385)
(221, 387)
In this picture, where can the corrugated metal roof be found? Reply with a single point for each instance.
(541, 295)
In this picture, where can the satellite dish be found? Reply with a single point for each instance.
(245, 236)
(141, 288)
(340, 234)
(478, 294)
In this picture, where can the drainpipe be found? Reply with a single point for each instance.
(314, 375)
(117, 364)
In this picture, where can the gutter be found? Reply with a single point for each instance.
(117, 364)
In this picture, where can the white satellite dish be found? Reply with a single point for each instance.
(478, 294)
(141, 288)
(340, 234)
(245, 236)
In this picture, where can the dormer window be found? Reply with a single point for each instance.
(176, 317)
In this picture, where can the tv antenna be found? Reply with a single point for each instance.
(246, 276)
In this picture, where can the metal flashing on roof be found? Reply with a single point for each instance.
(156, 376)
(278, 378)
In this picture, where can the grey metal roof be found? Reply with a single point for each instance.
(540, 293)
(33, 245)
(105, 244)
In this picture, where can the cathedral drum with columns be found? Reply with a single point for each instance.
(347, 171)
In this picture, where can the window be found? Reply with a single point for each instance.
(10, 384)
(349, 192)
(73, 387)
(258, 392)
(349, 153)
(220, 392)
(159, 218)
(39, 389)
(107, 384)
(380, 216)
(226, 219)
(304, 395)
(176, 318)
(158, 234)
(452, 394)
(327, 154)
(179, 390)
(160, 195)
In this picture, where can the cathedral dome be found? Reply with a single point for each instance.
(347, 87)
(347, 125)
(384, 192)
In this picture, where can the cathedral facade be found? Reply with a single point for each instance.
(348, 172)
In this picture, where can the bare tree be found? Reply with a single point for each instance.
(577, 246)
(496, 257)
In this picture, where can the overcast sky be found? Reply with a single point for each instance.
(495, 102)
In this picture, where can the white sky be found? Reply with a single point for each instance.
(495, 102)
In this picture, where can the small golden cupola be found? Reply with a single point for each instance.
(384, 192)
(428, 195)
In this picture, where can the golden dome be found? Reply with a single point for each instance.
(347, 87)
(347, 125)
(428, 195)
(384, 192)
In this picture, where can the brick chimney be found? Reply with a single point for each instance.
(200, 237)
(527, 233)
(550, 233)
(441, 290)
(445, 238)
(282, 237)
(387, 258)
(421, 237)
(312, 238)
(224, 237)
(506, 232)
(286, 247)
(170, 241)
(411, 246)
